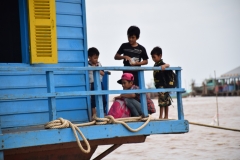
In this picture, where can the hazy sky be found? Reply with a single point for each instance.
(199, 35)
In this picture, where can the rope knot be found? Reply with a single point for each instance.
(59, 123)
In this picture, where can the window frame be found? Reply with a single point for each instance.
(24, 32)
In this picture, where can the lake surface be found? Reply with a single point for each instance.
(199, 143)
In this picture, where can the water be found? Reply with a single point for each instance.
(199, 143)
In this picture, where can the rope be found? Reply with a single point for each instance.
(62, 123)
(205, 125)
(131, 119)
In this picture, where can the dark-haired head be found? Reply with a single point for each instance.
(157, 51)
(93, 51)
(133, 30)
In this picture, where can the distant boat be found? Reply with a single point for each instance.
(225, 85)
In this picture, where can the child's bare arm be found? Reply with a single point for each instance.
(144, 62)
(101, 73)
(165, 66)
(117, 97)
(133, 95)
(121, 96)
(119, 57)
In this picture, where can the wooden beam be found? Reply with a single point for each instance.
(44, 69)
(53, 136)
(108, 151)
(60, 146)
(51, 100)
(84, 93)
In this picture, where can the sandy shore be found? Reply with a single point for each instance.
(199, 143)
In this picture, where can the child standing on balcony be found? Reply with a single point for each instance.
(131, 100)
(164, 99)
(93, 55)
(134, 54)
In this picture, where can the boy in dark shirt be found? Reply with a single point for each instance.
(132, 53)
(163, 97)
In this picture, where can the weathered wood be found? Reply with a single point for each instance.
(142, 95)
(1, 155)
(108, 151)
(98, 98)
(84, 93)
(51, 100)
(44, 69)
(179, 96)
(117, 140)
(0, 126)
(58, 154)
(66, 150)
(55, 136)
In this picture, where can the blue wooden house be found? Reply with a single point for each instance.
(44, 76)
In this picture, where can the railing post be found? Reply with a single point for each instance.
(1, 152)
(51, 100)
(142, 95)
(179, 96)
(106, 87)
(98, 98)
(0, 126)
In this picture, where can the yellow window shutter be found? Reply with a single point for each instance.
(42, 29)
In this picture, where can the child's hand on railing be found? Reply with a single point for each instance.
(165, 66)
(101, 73)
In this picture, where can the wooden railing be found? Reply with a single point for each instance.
(52, 94)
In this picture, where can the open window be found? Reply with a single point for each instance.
(10, 42)
(28, 31)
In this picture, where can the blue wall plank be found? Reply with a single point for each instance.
(71, 56)
(77, 115)
(69, 32)
(24, 106)
(40, 81)
(69, 20)
(68, 8)
(70, 44)
(24, 119)
(40, 105)
(39, 90)
(70, 1)
(63, 64)
(21, 120)
(71, 103)
(41, 72)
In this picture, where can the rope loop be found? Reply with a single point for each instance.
(63, 123)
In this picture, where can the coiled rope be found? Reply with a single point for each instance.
(63, 123)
